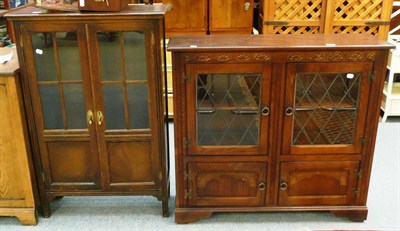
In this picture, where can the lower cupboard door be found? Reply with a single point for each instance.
(226, 184)
(317, 183)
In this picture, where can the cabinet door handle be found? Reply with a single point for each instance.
(89, 117)
(261, 186)
(289, 111)
(99, 118)
(265, 111)
(283, 185)
(247, 6)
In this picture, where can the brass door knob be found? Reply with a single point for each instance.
(283, 185)
(262, 186)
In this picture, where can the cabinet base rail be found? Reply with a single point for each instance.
(188, 215)
(26, 216)
(159, 194)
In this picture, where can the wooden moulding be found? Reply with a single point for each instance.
(188, 215)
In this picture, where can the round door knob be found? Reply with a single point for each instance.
(283, 185)
(262, 186)
(265, 111)
(289, 111)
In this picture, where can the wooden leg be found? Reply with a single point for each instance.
(46, 207)
(353, 215)
(27, 219)
(26, 216)
(183, 216)
(165, 207)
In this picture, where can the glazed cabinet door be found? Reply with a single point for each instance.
(231, 16)
(228, 108)
(318, 183)
(125, 85)
(59, 81)
(324, 107)
(226, 184)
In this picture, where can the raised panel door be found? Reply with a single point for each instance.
(125, 83)
(186, 17)
(60, 88)
(324, 108)
(231, 16)
(228, 108)
(226, 184)
(318, 183)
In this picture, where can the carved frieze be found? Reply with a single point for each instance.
(227, 58)
(332, 56)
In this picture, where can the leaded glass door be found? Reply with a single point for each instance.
(125, 102)
(62, 102)
(228, 108)
(323, 108)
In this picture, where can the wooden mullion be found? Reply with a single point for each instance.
(60, 84)
(121, 45)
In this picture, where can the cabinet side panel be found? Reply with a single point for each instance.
(10, 174)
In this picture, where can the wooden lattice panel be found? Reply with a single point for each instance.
(374, 30)
(326, 16)
(359, 16)
(295, 16)
(358, 9)
(298, 10)
(296, 30)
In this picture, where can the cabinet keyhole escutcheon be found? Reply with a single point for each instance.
(99, 118)
(89, 116)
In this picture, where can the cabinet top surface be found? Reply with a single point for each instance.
(275, 42)
(130, 10)
(10, 67)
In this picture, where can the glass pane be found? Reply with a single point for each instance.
(110, 56)
(51, 106)
(138, 106)
(75, 106)
(43, 51)
(228, 109)
(68, 54)
(135, 56)
(114, 106)
(325, 108)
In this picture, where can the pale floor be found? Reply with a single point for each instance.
(144, 213)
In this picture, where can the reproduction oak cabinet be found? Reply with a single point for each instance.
(17, 180)
(275, 122)
(96, 101)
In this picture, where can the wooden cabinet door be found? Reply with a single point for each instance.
(231, 16)
(186, 17)
(125, 78)
(325, 107)
(58, 74)
(228, 108)
(226, 184)
(318, 183)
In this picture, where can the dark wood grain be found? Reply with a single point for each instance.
(95, 159)
(324, 177)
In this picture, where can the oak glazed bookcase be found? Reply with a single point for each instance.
(275, 122)
(95, 94)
